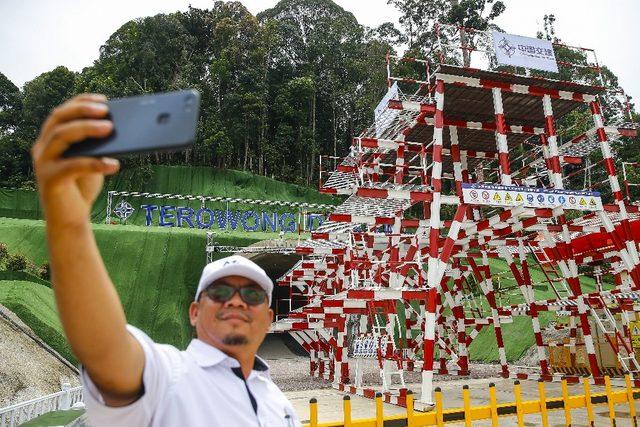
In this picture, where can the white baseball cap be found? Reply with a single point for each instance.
(234, 265)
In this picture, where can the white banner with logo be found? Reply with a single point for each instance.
(509, 196)
(525, 52)
(383, 115)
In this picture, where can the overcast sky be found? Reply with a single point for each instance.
(38, 35)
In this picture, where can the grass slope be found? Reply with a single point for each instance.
(518, 336)
(155, 270)
(199, 181)
(33, 303)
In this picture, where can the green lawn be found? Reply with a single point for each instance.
(518, 336)
(198, 181)
(55, 418)
(155, 271)
(33, 303)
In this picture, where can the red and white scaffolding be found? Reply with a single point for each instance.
(401, 270)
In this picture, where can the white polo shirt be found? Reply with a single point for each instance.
(196, 387)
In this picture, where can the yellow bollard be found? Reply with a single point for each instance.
(438, 397)
(466, 399)
(587, 398)
(493, 402)
(518, 395)
(346, 410)
(379, 413)
(610, 404)
(544, 418)
(565, 402)
(313, 412)
(632, 403)
(410, 422)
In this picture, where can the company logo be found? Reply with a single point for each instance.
(123, 210)
(506, 47)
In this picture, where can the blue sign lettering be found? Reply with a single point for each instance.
(200, 216)
(256, 221)
(165, 216)
(290, 225)
(181, 216)
(185, 214)
(149, 209)
(270, 220)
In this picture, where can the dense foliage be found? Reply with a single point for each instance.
(278, 89)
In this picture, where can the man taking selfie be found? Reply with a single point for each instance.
(130, 380)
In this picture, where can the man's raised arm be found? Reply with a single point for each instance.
(90, 310)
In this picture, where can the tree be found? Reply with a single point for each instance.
(418, 19)
(41, 95)
(318, 41)
(15, 167)
(143, 56)
(10, 105)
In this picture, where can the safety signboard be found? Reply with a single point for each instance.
(509, 195)
(634, 327)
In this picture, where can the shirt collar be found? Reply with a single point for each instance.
(207, 355)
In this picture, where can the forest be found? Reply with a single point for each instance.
(278, 89)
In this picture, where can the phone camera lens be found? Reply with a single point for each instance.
(163, 118)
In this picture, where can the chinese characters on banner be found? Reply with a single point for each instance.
(525, 52)
(508, 195)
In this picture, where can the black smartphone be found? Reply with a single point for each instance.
(142, 124)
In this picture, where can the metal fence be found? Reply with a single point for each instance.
(19, 413)
(511, 413)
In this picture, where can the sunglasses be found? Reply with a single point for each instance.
(251, 295)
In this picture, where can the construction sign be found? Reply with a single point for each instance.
(511, 195)
(634, 327)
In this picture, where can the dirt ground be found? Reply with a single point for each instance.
(27, 370)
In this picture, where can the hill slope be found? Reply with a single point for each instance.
(198, 181)
(155, 271)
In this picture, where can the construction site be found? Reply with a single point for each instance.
(481, 267)
(469, 160)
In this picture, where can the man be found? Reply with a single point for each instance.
(130, 380)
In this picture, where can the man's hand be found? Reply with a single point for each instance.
(89, 307)
(68, 187)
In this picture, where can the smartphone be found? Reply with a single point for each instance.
(142, 124)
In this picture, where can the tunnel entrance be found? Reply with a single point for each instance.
(275, 265)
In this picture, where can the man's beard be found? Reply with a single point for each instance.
(235, 339)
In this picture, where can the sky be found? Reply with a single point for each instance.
(38, 35)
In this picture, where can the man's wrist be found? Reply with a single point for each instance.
(60, 225)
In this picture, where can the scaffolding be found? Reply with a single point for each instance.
(401, 272)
